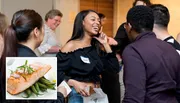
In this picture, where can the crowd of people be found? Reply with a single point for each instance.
(90, 59)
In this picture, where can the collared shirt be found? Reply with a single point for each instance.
(151, 71)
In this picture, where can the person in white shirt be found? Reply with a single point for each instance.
(50, 45)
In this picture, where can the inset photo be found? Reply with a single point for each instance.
(31, 78)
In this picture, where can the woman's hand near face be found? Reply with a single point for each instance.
(102, 38)
(80, 87)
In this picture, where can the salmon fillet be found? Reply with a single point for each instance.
(20, 82)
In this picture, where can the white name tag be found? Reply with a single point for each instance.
(85, 59)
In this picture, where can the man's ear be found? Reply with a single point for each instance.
(36, 32)
(130, 26)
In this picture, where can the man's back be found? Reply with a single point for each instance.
(154, 66)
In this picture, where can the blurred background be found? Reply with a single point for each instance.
(114, 10)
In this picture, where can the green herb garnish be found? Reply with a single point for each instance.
(26, 68)
(11, 71)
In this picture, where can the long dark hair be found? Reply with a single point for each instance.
(78, 31)
(22, 24)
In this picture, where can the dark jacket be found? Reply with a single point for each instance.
(24, 51)
(151, 71)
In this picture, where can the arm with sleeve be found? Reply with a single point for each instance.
(134, 77)
(44, 47)
(110, 62)
(63, 64)
(178, 85)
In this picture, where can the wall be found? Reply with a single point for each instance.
(173, 6)
(9, 7)
(121, 8)
(69, 8)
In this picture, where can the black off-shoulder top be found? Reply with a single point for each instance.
(84, 64)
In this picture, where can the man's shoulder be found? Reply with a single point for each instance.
(173, 42)
(129, 49)
(142, 47)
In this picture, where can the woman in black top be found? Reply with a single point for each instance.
(110, 80)
(81, 61)
(22, 37)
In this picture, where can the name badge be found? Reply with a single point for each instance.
(85, 59)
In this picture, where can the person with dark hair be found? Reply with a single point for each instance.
(122, 39)
(161, 21)
(142, 2)
(121, 35)
(103, 20)
(21, 38)
(102, 17)
(151, 66)
(50, 45)
(23, 35)
(81, 60)
(110, 81)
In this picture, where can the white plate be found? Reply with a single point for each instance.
(51, 75)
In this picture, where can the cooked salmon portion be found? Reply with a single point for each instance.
(20, 81)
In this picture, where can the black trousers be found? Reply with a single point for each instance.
(111, 86)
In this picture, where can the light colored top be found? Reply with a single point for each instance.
(48, 41)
